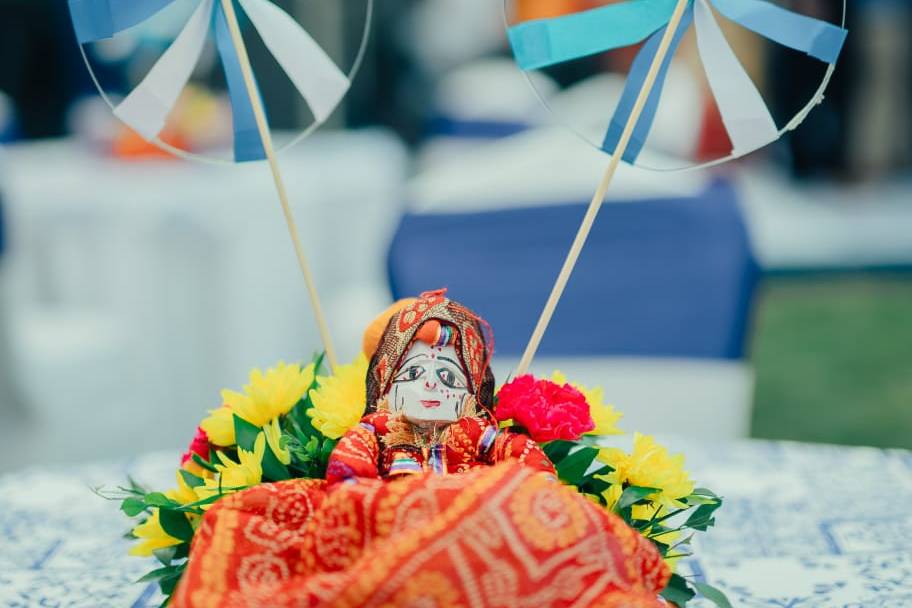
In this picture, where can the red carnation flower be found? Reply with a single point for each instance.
(547, 410)
(199, 445)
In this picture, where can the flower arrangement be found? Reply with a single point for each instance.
(286, 422)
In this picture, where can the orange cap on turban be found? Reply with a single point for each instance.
(374, 331)
(432, 332)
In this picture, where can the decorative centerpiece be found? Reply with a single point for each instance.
(405, 479)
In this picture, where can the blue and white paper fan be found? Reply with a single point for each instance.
(314, 74)
(542, 43)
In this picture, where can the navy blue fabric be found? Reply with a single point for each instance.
(474, 129)
(657, 278)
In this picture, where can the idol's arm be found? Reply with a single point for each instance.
(520, 447)
(356, 455)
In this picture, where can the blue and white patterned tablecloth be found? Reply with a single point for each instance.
(803, 527)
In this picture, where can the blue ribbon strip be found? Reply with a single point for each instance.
(817, 38)
(634, 84)
(543, 42)
(99, 19)
(247, 143)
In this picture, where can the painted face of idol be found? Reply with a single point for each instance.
(430, 386)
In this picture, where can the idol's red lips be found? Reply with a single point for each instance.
(430, 404)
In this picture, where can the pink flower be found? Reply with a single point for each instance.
(547, 410)
(199, 445)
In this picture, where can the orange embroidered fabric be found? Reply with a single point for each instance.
(369, 449)
(504, 535)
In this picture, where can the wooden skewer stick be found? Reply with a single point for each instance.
(558, 290)
(266, 137)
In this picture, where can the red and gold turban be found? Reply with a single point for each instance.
(436, 320)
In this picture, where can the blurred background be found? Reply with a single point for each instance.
(770, 297)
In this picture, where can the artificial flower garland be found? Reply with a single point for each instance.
(287, 421)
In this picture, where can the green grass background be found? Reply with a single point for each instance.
(833, 358)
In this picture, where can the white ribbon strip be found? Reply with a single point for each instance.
(147, 107)
(313, 73)
(744, 112)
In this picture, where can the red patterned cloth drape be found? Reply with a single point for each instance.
(505, 535)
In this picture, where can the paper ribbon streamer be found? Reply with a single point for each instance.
(817, 38)
(545, 42)
(146, 108)
(319, 81)
(99, 19)
(744, 113)
(635, 80)
(247, 143)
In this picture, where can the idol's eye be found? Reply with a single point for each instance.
(412, 372)
(450, 378)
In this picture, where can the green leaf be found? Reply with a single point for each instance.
(317, 361)
(245, 433)
(328, 446)
(695, 500)
(194, 507)
(157, 499)
(165, 555)
(662, 547)
(169, 583)
(595, 486)
(705, 492)
(313, 447)
(206, 465)
(713, 594)
(702, 518)
(572, 469)
(190, 479)
(182, 551)
(136, 487)
(558, 450)
(298, 415)
(273, 469)
(157, 574)
(601, 470)
(133, 506)
(633, 495)
(678, 591)
(175, 524)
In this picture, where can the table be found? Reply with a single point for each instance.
(804, 526)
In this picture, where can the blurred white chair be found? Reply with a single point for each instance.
(138, 290)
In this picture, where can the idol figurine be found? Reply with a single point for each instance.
(426, 502)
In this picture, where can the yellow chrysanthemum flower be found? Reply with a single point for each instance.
(650, 466)
(267, 396)
(183, 493)
(153, 537)
(219, 426)
(340, 399)
(274, 440)
(604, 415)
(196, 469)
(233, 476)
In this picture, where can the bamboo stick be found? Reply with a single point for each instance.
(266, 137)
(570, 262)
